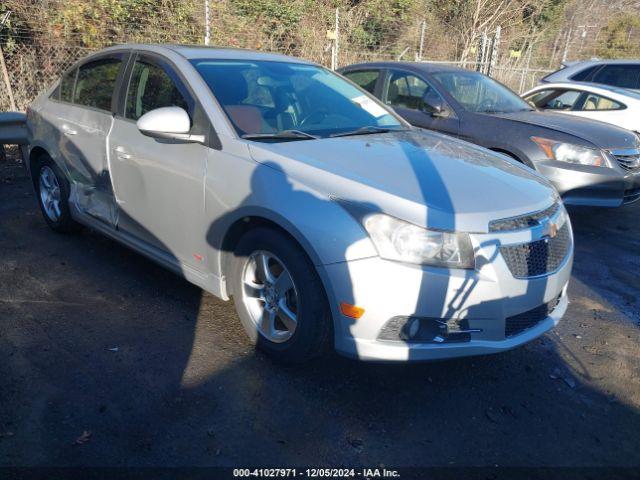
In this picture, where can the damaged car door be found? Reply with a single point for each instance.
(86, 123)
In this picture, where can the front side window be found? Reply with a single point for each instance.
(598, 102)
(264, 97)
(478, 93)
(406, 91)
(557, 100)
(150, 88)
(538, 98)
(365, 79)
(96, 83)
(624, 76)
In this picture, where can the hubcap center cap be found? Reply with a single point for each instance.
(270, 296)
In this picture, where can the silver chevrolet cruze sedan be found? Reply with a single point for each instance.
(327, 218)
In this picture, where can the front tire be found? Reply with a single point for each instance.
(279, 297)
(52, 189)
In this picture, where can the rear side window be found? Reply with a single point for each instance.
(64, 90)
(624, 76)
(583, 75)
(598, 102)
(150, 88)
(365, 79)
(96, 83)
(66, 86)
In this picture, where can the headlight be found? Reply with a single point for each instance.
(402, 241)
(567, 152)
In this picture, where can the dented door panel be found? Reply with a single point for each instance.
(86, 132)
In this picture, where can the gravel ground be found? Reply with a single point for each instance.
(108, 360)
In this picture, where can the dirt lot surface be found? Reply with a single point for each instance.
(108, 360)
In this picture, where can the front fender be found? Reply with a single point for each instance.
(327, 232)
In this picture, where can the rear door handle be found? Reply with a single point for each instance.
(122, 154)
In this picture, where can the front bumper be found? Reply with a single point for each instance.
(592, 186)
(483, 298)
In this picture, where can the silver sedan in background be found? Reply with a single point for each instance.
(327, 218)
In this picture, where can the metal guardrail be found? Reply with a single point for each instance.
(13, 128)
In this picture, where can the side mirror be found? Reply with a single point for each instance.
(433, 105)
(169, 123)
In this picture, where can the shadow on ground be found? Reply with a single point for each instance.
(95, 338)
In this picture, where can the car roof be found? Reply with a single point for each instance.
(590, 87)
(204, 52)
(595, 61)
(417, 67)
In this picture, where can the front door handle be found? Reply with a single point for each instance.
(122, 154)
(67, 130)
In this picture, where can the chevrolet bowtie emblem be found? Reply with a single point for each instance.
(551, 229)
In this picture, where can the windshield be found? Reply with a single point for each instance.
(479, 93)
(291, 101)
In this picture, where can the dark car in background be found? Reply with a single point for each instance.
(589, 162)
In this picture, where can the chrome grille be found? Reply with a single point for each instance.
(517, 324)
(522, 221)
(541, 257)
(627, 159)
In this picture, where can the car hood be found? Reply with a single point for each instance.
(425, 178)
(600, 134)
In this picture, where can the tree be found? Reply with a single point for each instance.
(616, 40)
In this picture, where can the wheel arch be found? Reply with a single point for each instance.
(250, 218)
(259, 217)
(35, 154)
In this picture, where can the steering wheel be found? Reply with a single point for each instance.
(486, 104)
(318, 115)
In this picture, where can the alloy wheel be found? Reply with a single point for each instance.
(270, 296)
(50, 193)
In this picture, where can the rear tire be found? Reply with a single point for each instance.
(52, 192)
(279, 297)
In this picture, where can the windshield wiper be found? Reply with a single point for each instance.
(284, 134)
(366, 131)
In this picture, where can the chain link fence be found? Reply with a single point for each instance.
(337, 39)
(31, 70)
